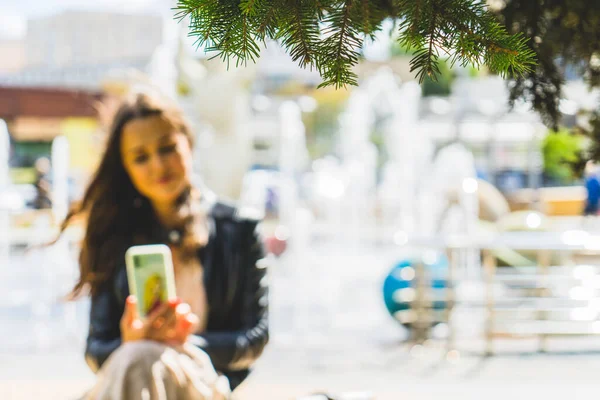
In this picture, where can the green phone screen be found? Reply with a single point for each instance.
(151, 282)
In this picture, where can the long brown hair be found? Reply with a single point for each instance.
(116, 214)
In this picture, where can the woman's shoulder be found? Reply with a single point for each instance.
(233, 221)
(231, 212)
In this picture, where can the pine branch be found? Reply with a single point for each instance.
(235, 39)
(328, 34)
(483, 40)
(266, 23)
(429, 66)
(204, 23)
(299, 31)
(251, 7)
(224, 28)
(367, 15)
(341, 45)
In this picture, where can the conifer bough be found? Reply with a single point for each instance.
(328, 35)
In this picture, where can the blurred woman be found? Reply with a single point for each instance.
(142, 193)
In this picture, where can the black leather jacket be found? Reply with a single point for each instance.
(236, 288)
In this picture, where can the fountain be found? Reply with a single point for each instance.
(14, 295)
(4, 182)
(395, 107)
(64, 267)
(419, 188)
(453, 178)
(407, 151)
(301, 291)
(292, 157)
(359, 165)
(10, 200)
(421, 193)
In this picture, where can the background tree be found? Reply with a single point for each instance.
(441, 85)
(563, 34)
(541, 40)
(560, 150)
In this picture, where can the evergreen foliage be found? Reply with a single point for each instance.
(532, 42)
(328, 34)
(560, 150)
(563, 34)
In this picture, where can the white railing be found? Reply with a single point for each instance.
(544, 300)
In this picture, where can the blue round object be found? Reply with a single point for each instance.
(401, 282)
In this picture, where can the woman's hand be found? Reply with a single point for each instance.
(186, 323)
(171, 323)
(132, 327)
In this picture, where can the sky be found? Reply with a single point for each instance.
(15, 13)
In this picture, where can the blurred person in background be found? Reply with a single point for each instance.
(142, 193)
(43, 188)
(592, 187)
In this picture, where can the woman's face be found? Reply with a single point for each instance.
(157, 158)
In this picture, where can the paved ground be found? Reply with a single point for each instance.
(387, 372)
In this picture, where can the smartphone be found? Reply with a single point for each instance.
(150, 275)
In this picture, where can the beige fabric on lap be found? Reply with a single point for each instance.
(147, 370)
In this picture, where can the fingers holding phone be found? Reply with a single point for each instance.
(171, 323)
(132, 327)
(161, 323)
(187, 323)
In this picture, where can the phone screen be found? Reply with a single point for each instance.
(150, 280)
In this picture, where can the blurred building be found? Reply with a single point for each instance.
(52, 81)
(79, 38)
(13, 55)
(79, 49)
(35, 116)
